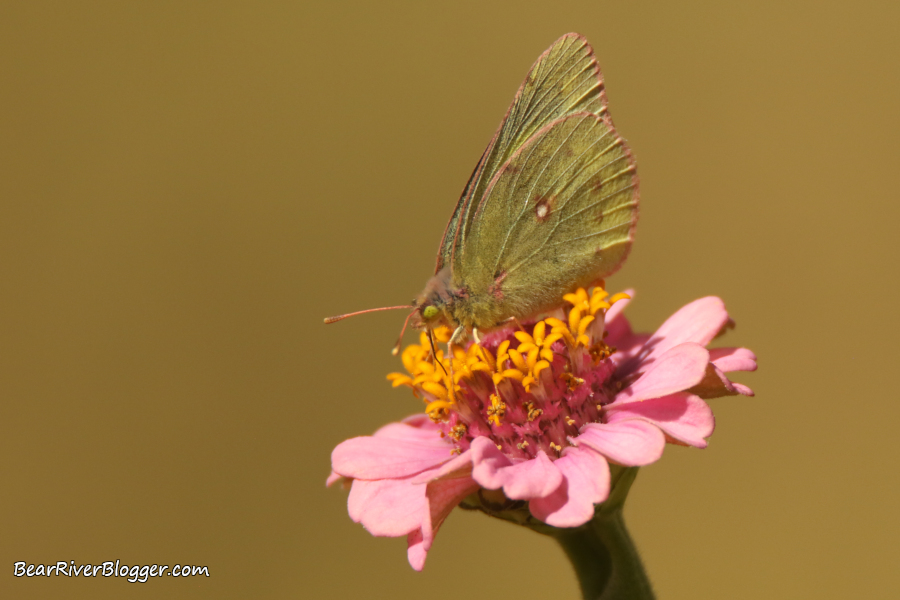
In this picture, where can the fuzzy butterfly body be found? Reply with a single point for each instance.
(550, 207)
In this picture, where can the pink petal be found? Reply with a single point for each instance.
(409, 432)
(627, 348)
(633, 443)
(698, 322)
(332, 479)
(619, 330)
(420, 421)
(442, 498)
(617, 326)
(522, 480)
(388, 457)
(682, 416)
(742, 389)
(680, 368)
(733, 359)
(586, 483)
(487, 462)
(716, 384)
(460, 466)
(416, 550)
(615, 311)
(387, 507)
(529, 479)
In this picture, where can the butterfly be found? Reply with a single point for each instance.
(550, 207)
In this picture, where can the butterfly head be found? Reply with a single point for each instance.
(431, 305)
(430, 313)
(427, 315)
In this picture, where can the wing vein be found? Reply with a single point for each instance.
(531, 190)
(560, 221)
(563, 99)
(593, 234)
(550, 89)
(598, 202)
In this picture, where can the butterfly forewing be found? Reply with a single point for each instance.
(559, 214)
(564, 80)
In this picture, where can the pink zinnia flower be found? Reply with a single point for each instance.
(540, 413)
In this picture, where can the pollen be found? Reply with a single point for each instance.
(600, 351)
(572, 382)
(457, 432)
(438, 410)
(532, 412)
(496, 410)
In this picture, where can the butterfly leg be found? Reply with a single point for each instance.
(459, 336)
(476, 336)
(451, 386)
(514, 320)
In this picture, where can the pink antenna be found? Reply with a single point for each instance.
(396, 347)
(362, 312)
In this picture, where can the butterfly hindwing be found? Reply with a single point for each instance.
(560, 213)
(564, 80)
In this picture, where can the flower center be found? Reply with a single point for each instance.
(527, 389)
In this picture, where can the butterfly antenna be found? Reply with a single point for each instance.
(362, 312)
(434, 352)
(396, 349)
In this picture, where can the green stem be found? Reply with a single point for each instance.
(606, 561)
(603, 555)
(601, 551)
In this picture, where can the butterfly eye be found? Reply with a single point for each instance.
(430, 312)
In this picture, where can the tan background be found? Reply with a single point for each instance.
(186, 190)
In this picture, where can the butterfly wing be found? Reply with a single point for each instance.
(564, 80)
(559, 214)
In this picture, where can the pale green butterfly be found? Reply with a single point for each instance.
(550, 207)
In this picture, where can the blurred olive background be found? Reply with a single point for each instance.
(187, 188)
